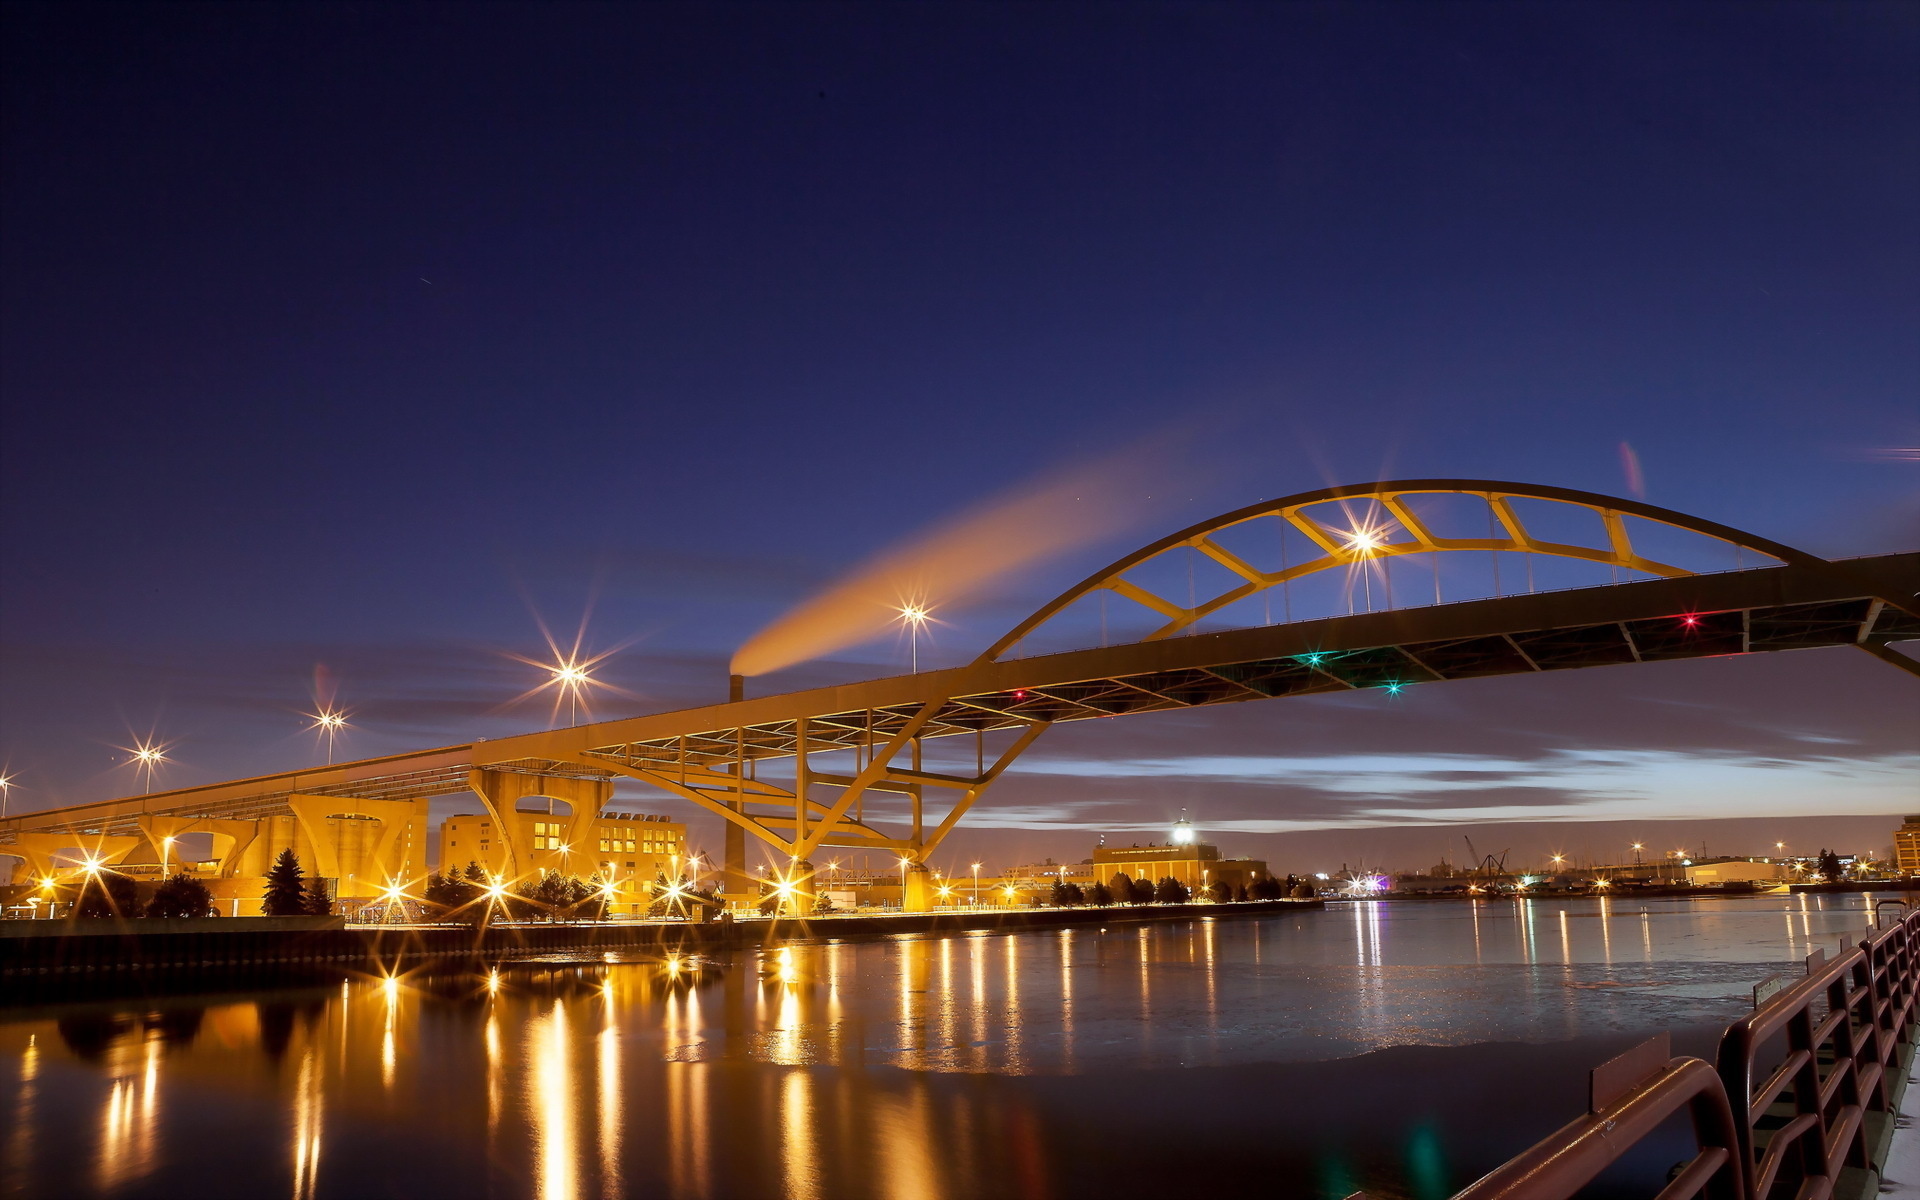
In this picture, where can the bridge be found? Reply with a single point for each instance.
(799, 771)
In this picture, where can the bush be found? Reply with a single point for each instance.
(181, 896)
(107, 894)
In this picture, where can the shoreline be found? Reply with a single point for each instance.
(63, 953)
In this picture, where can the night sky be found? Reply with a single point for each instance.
(343, 345)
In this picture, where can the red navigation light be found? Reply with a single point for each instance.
(1020, 694)
(1690, 620)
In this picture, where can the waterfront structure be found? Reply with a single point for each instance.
(1722, 871)
(619, 846)
(1192, 862)
(1045, 873)
(795, 770)
(1906, 846)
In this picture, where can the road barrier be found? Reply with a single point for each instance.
(1815, 1073)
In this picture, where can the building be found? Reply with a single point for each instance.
(1185, 858)
(1906, 847)
(1046, 872)
(1720, 872)
(623, 846)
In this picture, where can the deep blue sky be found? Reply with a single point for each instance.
(351, 334)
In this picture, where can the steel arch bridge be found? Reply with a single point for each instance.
(795, 770)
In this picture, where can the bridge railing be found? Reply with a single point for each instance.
(1804, 1087)
(1630, 1097)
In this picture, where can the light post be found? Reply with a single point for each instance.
(976, 885)
(6, 791)
(166, 846)
(147, 756)
(330, 721)
(916, 616)
(1637, 848)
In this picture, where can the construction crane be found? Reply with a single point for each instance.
(1493, 867)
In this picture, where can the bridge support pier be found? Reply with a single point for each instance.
(799, 898)
(916, 894)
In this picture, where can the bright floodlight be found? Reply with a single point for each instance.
(1365, 541)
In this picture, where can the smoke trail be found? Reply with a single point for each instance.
(955, 562)
(1630, 463)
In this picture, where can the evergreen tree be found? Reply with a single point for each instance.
(1220, 891)
(286, 887)
(1075, 895)
(1057, 894)
(1830, 868)
(1170, 891)
(1240, 894)
(107, 893)
(553, 893)
(1143, 891)
(181, 896)
(318, 903)
(1122, 887)
(475, 874)
(1100, 895)
(446, 893)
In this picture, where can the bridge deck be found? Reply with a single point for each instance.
(1862, 602)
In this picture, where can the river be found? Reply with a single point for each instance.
(1400, 1046)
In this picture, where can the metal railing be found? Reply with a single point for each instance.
(1813, 1072)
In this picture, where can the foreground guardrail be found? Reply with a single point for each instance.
(1798, 1105)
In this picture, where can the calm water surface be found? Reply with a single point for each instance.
(1403, 1047)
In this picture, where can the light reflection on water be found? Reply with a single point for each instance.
(879, 1068)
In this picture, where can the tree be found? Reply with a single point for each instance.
(444, 892)
(318, 903)
(286, 887)
(105, 893)
(554, 893)
(1220, 891)
(1100, 895)
(1075, 895)
(181, 896)
(1240, 894)
(1830, 868)
(475, 874)
(822, 904)
(1170, 891)
(1057, 894)
(1122, 885)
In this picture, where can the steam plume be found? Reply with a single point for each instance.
(955, 562)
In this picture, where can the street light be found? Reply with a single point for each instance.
(916, 616)
(147, 756)
(976, 885)
(166, 844)
(330, 721)
(6, 790)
